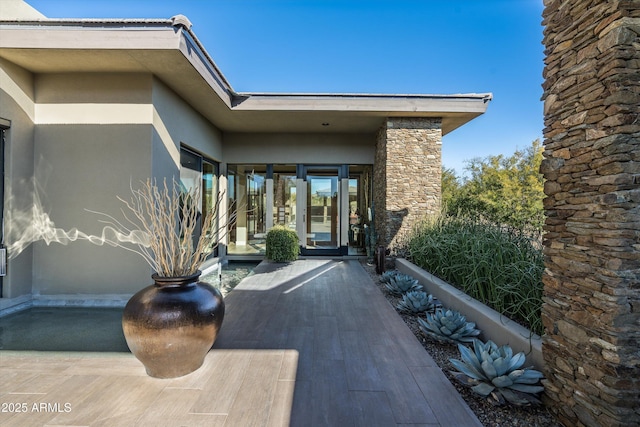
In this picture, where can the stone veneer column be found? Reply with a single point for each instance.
(591, 309)
(407, 175)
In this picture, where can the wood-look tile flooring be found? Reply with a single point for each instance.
(311, 343)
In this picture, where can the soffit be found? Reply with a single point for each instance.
(176, 58)
(356, 112)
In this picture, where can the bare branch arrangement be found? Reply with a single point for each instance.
(168, 216)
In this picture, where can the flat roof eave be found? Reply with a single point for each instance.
(352, 112)
(392, 103)
(169, 49)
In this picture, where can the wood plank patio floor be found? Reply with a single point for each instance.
(310, 343)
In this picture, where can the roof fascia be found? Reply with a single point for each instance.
(193, 50)
(189, 44)
(397, 103)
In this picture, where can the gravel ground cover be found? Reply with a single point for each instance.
(232, 273)
(488, 414)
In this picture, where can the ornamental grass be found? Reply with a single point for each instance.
(501, 267)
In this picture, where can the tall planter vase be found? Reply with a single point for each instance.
(171, 325)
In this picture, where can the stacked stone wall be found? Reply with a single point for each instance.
(407, 176)
(591, 306)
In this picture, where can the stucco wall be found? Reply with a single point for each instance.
(175, 123)
(329, 148)
(92, 140)
(17, 105)
(95, 135)
(87, 167)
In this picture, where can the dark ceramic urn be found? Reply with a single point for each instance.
(171, 325)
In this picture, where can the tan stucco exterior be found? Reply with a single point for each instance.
(292, 148)
(17, 102)
(94, 134)
(94, 108)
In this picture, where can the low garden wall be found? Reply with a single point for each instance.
(494, 326)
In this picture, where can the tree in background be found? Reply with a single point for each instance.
(450, 186)
(507, 190)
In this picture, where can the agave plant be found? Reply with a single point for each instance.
(495, 373)
(415, 302)
(402, 283)
(448, 326)
(387, 275)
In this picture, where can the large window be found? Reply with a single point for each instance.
(199, 172)
(359, 209)
(248, 196)
(327, 205)
(284, 195)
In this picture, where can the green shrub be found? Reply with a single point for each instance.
(282, 244)
(501, 267)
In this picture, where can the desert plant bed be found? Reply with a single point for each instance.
(497, 265)
(487, 413)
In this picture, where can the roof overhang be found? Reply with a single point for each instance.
(168, 49)
(356, 112)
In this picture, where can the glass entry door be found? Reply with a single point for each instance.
(323, 211)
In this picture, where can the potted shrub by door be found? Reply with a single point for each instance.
(172, 324)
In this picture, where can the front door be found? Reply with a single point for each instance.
(322, 218)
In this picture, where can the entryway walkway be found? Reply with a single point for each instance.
(310, 343)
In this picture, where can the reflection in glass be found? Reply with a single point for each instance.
(266, 195)
(247, 193)
(322, 211)
(359, 207)
(284, 198)
(199, 172)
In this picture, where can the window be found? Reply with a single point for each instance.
(199, 172)
(310, 199)
(248, 195)
(284, 197)
(359, 208)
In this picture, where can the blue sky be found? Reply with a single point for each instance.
(371, 46)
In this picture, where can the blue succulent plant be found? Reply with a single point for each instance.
(448, 326)
(402, 283)
(387, 275)
(497, 374)
(416, 302)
